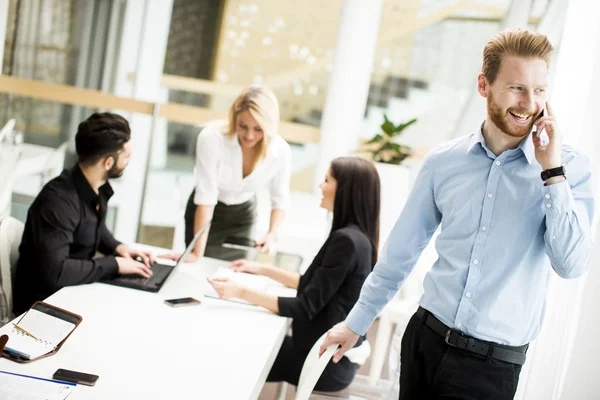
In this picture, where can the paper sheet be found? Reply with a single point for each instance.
(51, 329)
(23, 387)
(256, 282)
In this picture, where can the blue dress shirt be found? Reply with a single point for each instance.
(502, 232)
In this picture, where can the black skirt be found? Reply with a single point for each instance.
(232, 220)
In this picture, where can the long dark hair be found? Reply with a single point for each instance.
(357, 197)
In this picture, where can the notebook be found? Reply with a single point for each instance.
(40, 331)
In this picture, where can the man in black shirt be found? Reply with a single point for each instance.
(65, 225)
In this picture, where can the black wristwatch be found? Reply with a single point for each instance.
(558, 171)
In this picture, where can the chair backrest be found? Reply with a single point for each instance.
(288, 261)
(55, 163)
(313, 368)
(11, 232)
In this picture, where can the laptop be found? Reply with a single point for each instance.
(160, 272)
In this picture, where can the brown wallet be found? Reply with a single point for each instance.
(47, 309)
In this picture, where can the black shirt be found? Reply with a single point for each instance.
(330, 287)
(64, 230)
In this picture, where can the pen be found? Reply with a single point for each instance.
(24, 331)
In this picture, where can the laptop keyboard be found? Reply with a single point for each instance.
(159, 273)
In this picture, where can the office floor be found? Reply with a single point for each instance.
(269, 391)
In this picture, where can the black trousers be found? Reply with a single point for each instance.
(288, 365)
(232, 220)
(430, 369)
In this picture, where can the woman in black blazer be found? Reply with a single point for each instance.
(331, 285)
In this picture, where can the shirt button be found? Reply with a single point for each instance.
(490, 195)
(548, 205)
(484, 228)
(468, 295)
(547, 196)
(498, 163)
(476, 262)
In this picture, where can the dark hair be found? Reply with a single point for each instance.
(357, 197)
(101, 135)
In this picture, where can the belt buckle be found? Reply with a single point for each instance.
(449, 334)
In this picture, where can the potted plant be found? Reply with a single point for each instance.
(384, 146)
(388, 156)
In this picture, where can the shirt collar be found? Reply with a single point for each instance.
(526, 145)
(477, 137)
(85, 190)
(527, 148)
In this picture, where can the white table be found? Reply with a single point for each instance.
(144, 349)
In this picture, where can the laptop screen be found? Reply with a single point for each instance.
(192, 244)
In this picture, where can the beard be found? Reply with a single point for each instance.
(500, 118)
(114, 172)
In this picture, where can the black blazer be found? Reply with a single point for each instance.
(330, 287)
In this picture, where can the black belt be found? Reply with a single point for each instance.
(454, 338)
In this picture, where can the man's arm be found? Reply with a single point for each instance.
(409, 236)
(53, 227)
(107, 243)
(569, 208)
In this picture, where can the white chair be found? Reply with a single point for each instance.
(313, 368)
(362, 387)
(55, 163)
(398, 312)
(11, 231)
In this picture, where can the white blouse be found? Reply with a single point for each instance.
(218, 171)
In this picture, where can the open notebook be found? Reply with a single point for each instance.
(257, 282)
(40, 331)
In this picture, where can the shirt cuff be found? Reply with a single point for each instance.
(558, 199)
(111, 245)
(108, 265)
(280, 205)
(359, 320)
(288, 306)
(205, 199)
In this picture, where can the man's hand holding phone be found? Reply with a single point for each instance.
(549, 155)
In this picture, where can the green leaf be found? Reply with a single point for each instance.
(375, 139)
(398, 129)
(387, 126)
(394, 146)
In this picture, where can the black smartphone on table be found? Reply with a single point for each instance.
(66, 375)
(184, 301)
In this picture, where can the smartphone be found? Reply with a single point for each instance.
(538, 133)
(75, 377)
(238, 242)
(184, 301)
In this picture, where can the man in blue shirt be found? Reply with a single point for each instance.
(503, 231)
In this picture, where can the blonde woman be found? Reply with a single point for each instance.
(234, 160)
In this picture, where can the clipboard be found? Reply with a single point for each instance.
(49, 311)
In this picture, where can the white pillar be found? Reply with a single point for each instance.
(475, 109)
(141, 55)
(3, 25)
(348, 89)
